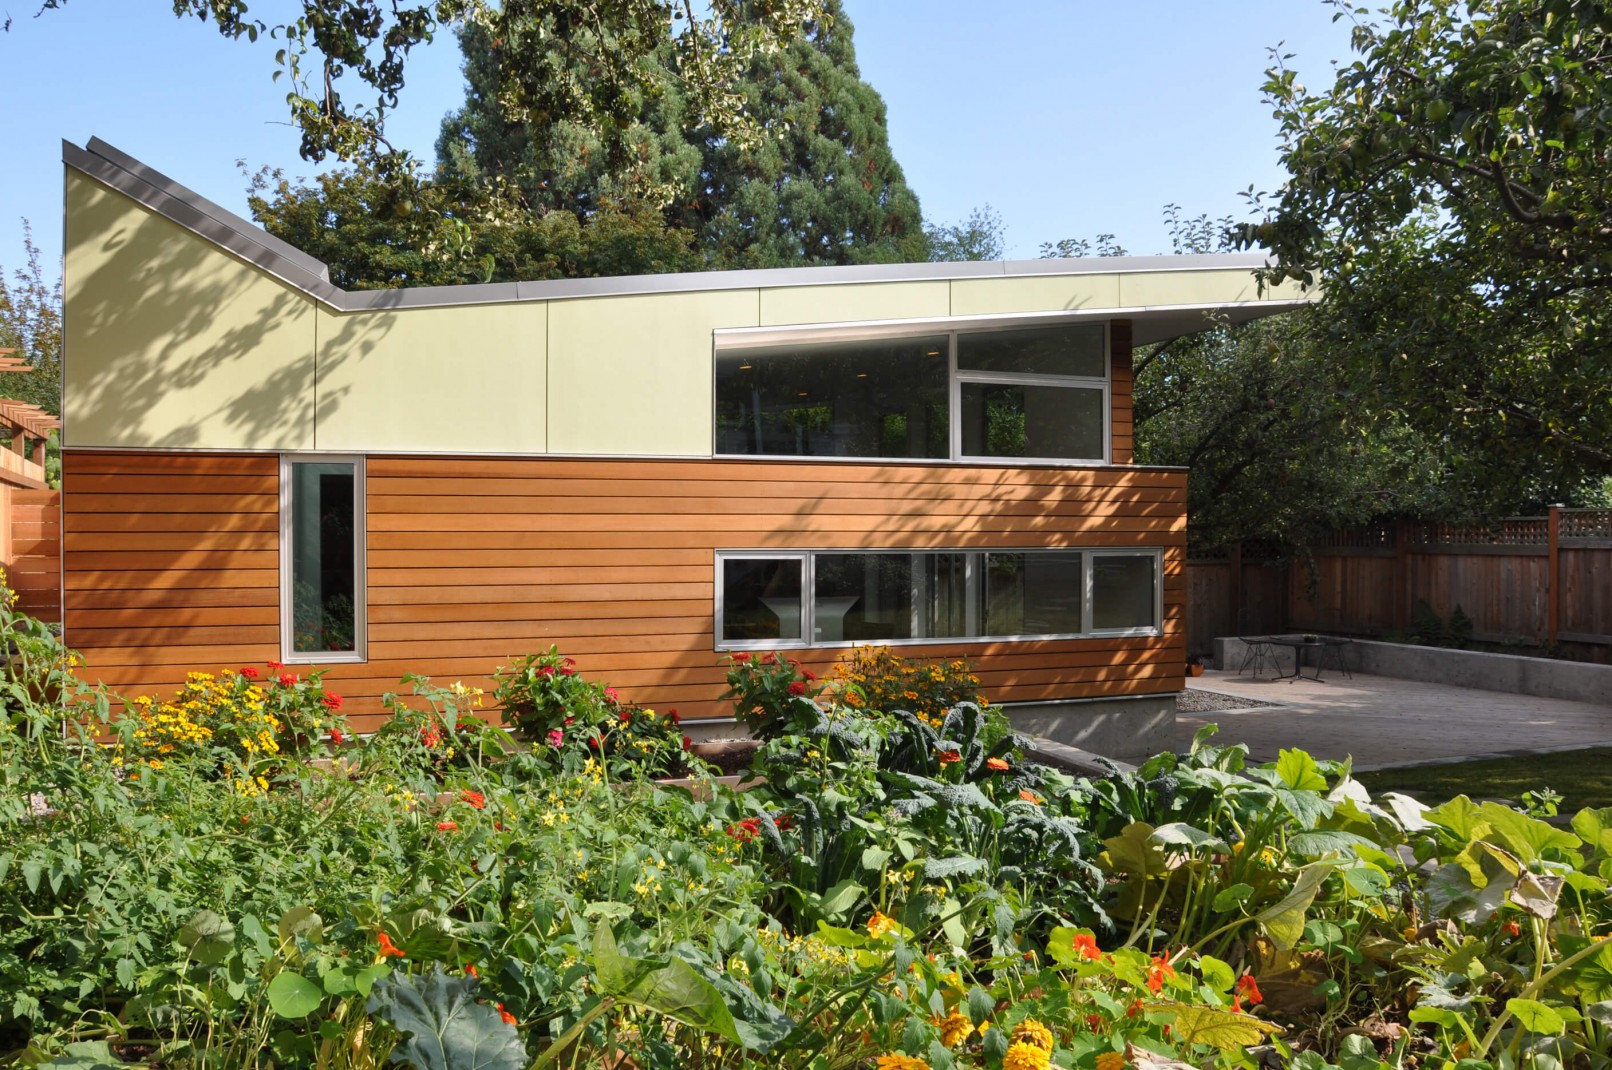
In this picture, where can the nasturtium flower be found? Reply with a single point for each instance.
(1085, 945)
(880, 924)
(447, 826)
(1030, 797)
(1158, 972)
(387, 947)
(509, 1019)
(476, 799)
(1248, 988)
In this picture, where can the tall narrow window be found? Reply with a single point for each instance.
(322, 558)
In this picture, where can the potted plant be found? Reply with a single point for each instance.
(1194, 665)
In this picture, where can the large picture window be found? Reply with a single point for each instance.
(835, 597)
(1029, 393)
(322, 603)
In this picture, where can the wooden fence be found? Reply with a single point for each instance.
(1544, 581)
(31, 549)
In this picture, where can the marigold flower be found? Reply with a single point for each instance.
(1248, 988)
(1158, 972)
(954, 1028)
(250, 672)
(288, 678)
(997, 765)
(1033, 1032)
(333, 700)
(509, 1019)
(1110, 1060)
(880, 924)
(447, 826)
(476, 799)
(387, 947)
(1022, 1056)
(896, 1061)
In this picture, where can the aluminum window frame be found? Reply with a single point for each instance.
(360, 652)
(955, 377)
(975, 612)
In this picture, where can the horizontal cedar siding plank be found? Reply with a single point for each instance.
(589, 592)
(508, 631)
(267, 483)
(87, 462)
(187, 560)
(756, 492)
(112, 579)
(716, 511)
(103, 639)
(80, 595)
(203, 617)
(159, 541)
(175, 522)
(650, 541)
(955, 527)
(566, 575)
(233, 504)
(560, 612)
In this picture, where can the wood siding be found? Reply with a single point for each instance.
(172, 564)
(31, 549)
(1122, 449)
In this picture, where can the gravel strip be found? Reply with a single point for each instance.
(1194, 701)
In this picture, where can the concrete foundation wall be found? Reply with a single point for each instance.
(1128, 729)
(1509, 673)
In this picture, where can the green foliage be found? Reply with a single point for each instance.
(1447, 188)
(440, 1024)
(982, 236)
(31, 324)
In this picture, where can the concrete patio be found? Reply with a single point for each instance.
(1382, 720)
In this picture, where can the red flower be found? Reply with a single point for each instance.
(249, 672)
(288, 678)
(593, 741)
(1512, 929)
(556, 736)
(997, 765)
(808, 674)
(741, 657)
(1094, 1022)
(687, 743)
(509, 1019)
(470, 970)
(769, 659)
(610, 695)
(675, 718)
(785, 822)
(275, 666)
(947, 757)
(430, 736)
(476, 799)
(746, 830)
(387, 947)
(1134, 1009)
(1158, 972)
(797, 687)
(1086, 945)
(447, 826)
(570, 663)
(626, 716)
(336, 737)
(567, 672)
(1248, 989)
(333, 700)
(545, 670)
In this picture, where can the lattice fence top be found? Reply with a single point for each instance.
(1587, 523)
(1516, 531)
(1372, 536)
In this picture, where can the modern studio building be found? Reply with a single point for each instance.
(646, 471)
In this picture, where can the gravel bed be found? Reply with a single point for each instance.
(1194, 701)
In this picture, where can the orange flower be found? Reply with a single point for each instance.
(1029, 796)
(1248, 988)
(476, 799)
(387, 947)
(997, 765)
(947, 757)
(470, 970)
(880, 924)
(1085, 945)
(509, 1019)
(447, 826)
(1158, 972)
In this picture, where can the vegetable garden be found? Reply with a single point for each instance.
(226, 878)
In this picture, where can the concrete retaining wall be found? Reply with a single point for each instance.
(1509, 673)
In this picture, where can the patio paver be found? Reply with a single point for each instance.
(1382, 720)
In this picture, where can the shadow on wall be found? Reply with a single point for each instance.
(173, 343)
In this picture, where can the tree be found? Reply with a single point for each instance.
(982, 236)
(31, 323)
(587, 60)
(1451, 191)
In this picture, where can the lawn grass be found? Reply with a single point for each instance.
(1584, 777)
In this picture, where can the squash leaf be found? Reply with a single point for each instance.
(442, 1025)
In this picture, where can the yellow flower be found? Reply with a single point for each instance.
(1109, 1060)
(1022, 1056)
(954, 1028)
(1031, 1031)
(880, 924)
(896, 1061)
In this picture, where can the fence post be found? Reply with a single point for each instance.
(1237, 588)
(1402, 585)
(1553, 574)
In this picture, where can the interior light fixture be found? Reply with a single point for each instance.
(802, 394)
(933, 353)
(861, 375)
(746, 367)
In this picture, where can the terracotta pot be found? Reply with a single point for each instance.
(1194, 668)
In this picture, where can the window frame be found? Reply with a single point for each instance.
(955, 377)
(360, 652)
(975, 568)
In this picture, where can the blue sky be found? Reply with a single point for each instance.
(1070, 117)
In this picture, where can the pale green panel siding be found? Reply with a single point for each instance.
(633, 375)
(1188, 288)
(865, 301)
(470, 378)
(172, 342)
(1034, 293)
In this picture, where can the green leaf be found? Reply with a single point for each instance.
(1299, 771)
(87, 1055)
(981, 1005)
(1227, 898)
(1180, 834)
(1460, 816)
(301, 921)
(207, 937)
(1528, 837)
(1219, 1028)
(1535, 1016)
(671, 987)
(442, 1025)
(293, 995)
(1216, 974)
(1284, 920)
